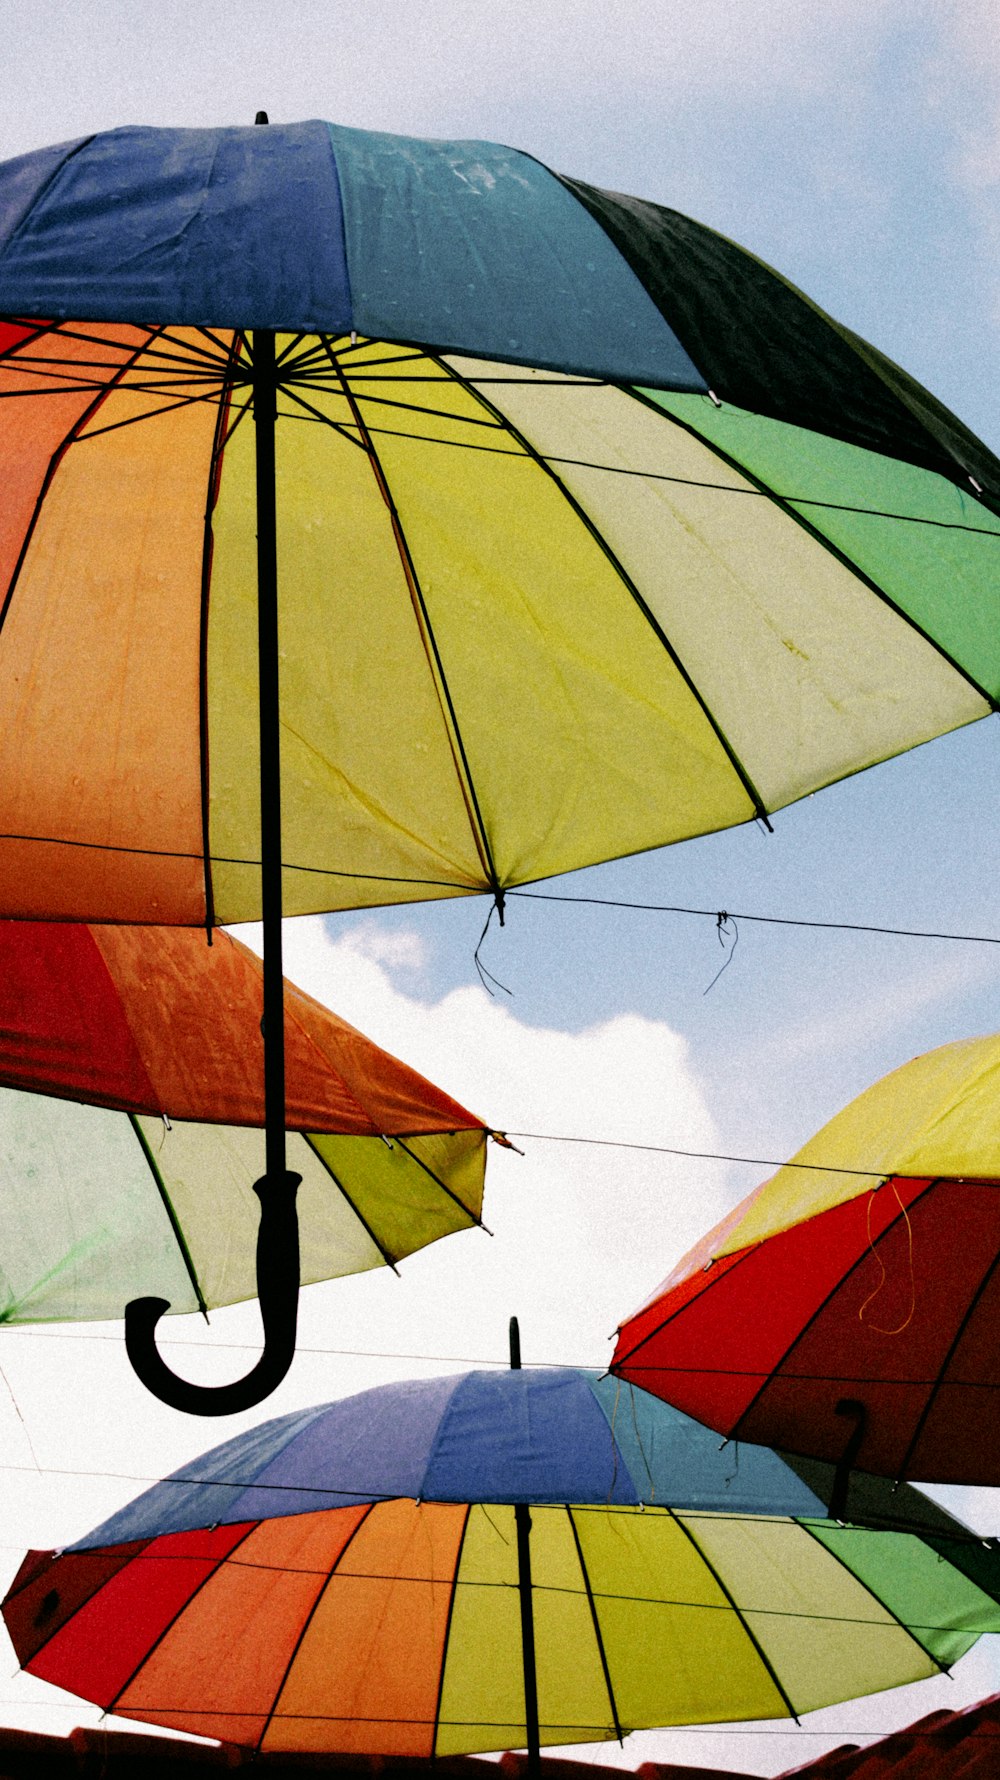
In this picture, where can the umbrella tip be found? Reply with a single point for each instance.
(515, 1345)
(262, 118)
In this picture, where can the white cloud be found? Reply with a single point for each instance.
(581, 1234)
(397, 951)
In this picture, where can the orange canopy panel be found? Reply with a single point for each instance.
(156, 1020)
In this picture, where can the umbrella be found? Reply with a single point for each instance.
(128, 1077)
(855, 1296)
(409, 1566)
(592, 532)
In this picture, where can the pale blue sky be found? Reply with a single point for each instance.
(855, 144)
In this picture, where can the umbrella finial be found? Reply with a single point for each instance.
(262, 118)
(515, 1345)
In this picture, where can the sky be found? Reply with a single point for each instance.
(855, 144)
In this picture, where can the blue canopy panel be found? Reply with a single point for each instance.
(678, 1462)
(526, 1437)
(476, 248)
(462, 246)
(226, 228)
(553, 1435)
(357, 1449)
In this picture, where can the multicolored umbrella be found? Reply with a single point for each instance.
(560, 474)
(852, 1302)
(368, 1552)
(591, 532)
(139, 1177)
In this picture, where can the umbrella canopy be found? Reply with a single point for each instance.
(860, 1283)
(593, 533)
(368, 1551)
(139, 1176)
(539, 481)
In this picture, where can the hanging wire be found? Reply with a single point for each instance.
(720, 915)
(20, 1417)
(480, 1360)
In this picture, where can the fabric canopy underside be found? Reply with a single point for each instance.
(938, 1115)
(366, 1548)
(131, 1101)
(475, 506)
(125, 1210)
(866, 1269)
(395, 1627)
(511, 408)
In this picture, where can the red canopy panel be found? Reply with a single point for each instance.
(891, 1299)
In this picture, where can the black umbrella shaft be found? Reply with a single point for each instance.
(265, 415)
(522, 1523)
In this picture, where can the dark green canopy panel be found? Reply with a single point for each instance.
(763, 345)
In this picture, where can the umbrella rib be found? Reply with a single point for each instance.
(837, 1286)
(242, 410)
(307, 1622)
(784, 502)
(464, 772)
(221, 344)
(619, 1733)
(392, 432)
(757, 493)
(492, 426)
(175, 1226)
(170, 407)
(338, 1183)
(438, 1182)
(944, 1668)
(174, 1617)
(76, 331)
(13, 1594)
(87, 375)
(34, 330)
(708, 1283)
(946, 1362)
(754, 796)
(53, 464)
(336, 426)
(758, 1647)
(452, 1596)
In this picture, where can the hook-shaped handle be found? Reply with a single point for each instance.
(278, 1291)
(856, 1411)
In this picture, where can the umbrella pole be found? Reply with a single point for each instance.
(273, 1024)
(278, 1269)
(522, 1523)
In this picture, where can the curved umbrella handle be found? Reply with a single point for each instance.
(278, 1290)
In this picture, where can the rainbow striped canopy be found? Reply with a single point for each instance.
(866, 1269)
(131, 1100)
(593, 532)
(366, 1552)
